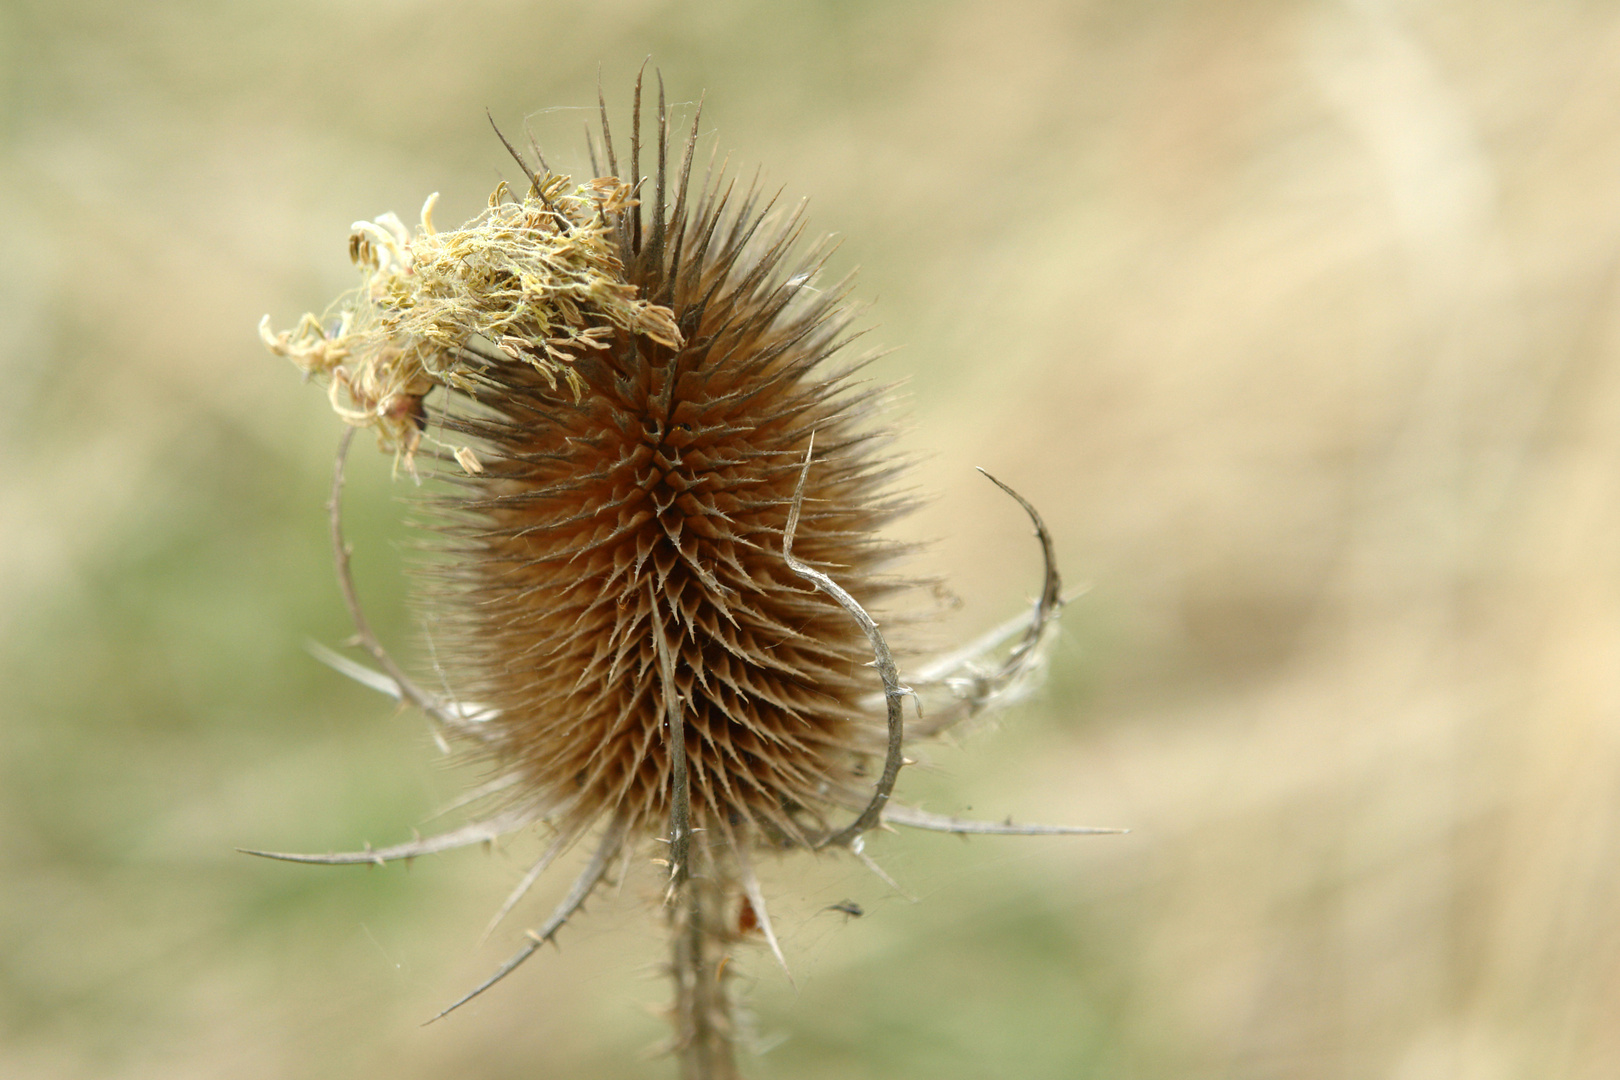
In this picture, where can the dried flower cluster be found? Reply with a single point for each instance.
(537, 281)
(661, 547)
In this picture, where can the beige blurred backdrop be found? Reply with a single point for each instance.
(1295, 317)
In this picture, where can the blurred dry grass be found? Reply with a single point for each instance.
(1296, 318)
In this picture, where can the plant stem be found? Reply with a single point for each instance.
(705, 1030)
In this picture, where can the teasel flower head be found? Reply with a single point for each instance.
(658, 537)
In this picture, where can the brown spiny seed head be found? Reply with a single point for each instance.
(630, 387)
(653, 502)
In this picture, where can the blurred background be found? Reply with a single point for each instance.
(1296, 318)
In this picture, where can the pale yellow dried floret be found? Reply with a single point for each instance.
(536, 281)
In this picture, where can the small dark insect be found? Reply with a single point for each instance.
(849, 907)
(747, 918)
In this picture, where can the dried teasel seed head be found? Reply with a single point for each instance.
(657, 538)
(646, 498)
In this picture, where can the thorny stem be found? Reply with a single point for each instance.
(705, 1032)
(893, 692)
